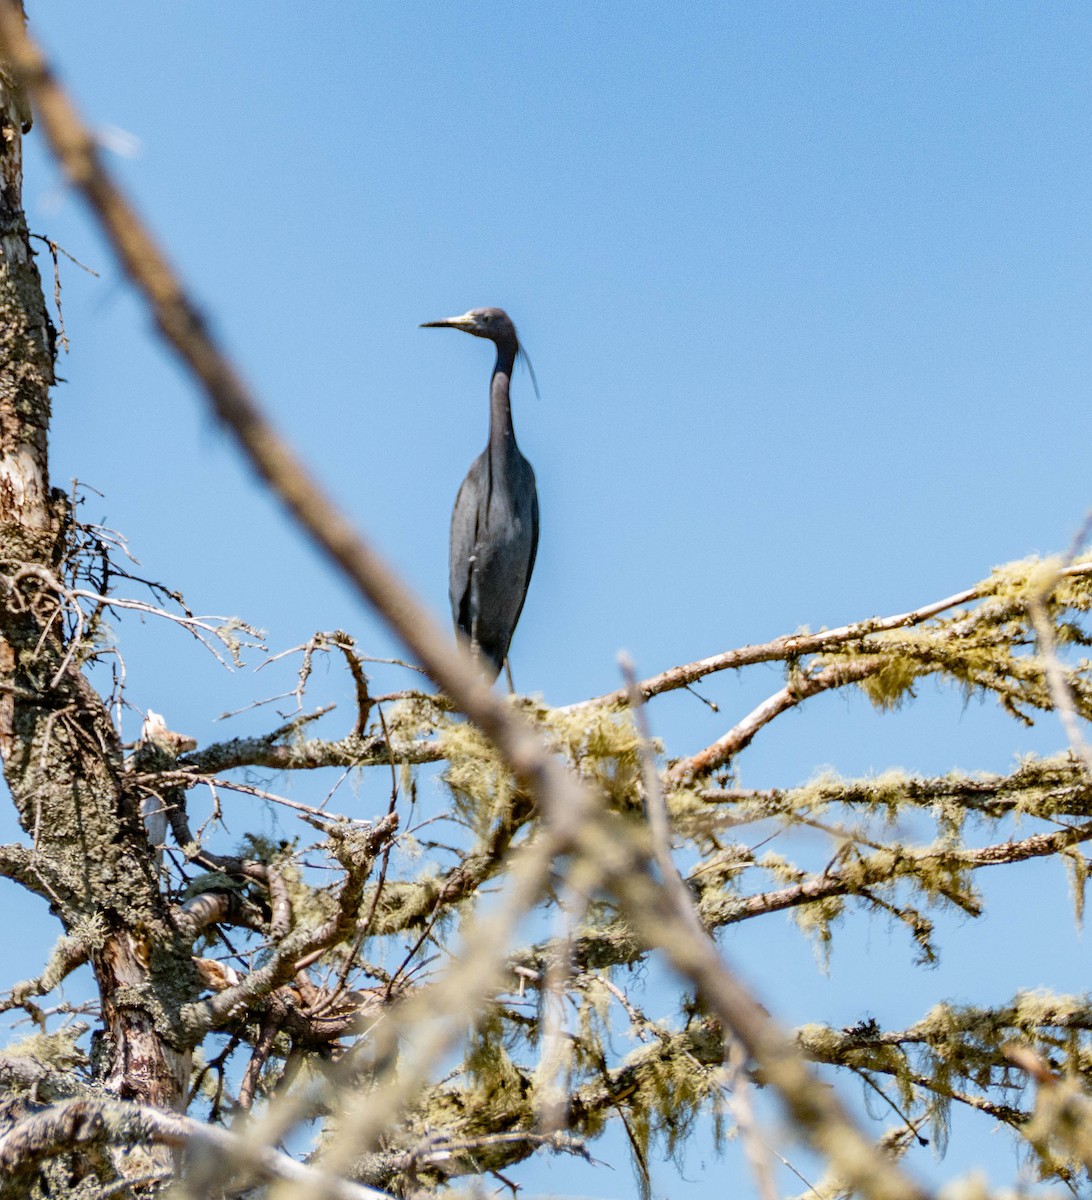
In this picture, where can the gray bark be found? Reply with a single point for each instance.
(62, 758)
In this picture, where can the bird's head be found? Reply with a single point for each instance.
(492, 323)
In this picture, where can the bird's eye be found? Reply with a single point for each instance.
(486, 318)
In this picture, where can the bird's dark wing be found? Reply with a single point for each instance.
(465, 521)
(534, 536)
(534, 540)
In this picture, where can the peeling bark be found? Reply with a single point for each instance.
(26, 341)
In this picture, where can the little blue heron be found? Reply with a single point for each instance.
(494, 526)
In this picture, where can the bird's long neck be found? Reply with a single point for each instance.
(502, 435)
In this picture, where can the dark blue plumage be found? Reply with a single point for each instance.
(494, 526)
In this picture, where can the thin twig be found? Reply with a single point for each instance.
(742, 734)
(797, 645)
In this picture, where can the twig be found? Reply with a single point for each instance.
(55, 251)
(205, 629)
(741, 735)
(665, 917)
(442, 1148)
(689, 947)
(797, 645)
(366, 923)
(339, 640)
(867, 873)
(356, 855)
(1080, 538)
(248, 1087)
(128, 1185)
(268, 751)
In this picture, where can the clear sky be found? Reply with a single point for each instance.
(808, 292)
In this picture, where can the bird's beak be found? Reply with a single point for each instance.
(465, 322)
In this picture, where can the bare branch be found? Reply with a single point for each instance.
(67, 954)
(78, 1124)
(615, 945)
(356, 851)
(667, 920)
(25, 1074)
(798, 645)
(20, 864)
(794, 693)
(1052, 787)
(269, 751)
(883, 867)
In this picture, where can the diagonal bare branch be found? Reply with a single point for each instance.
(798, 645)
(743, 733)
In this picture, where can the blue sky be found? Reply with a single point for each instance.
(807, 289)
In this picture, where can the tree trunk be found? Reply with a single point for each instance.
(62, 757)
